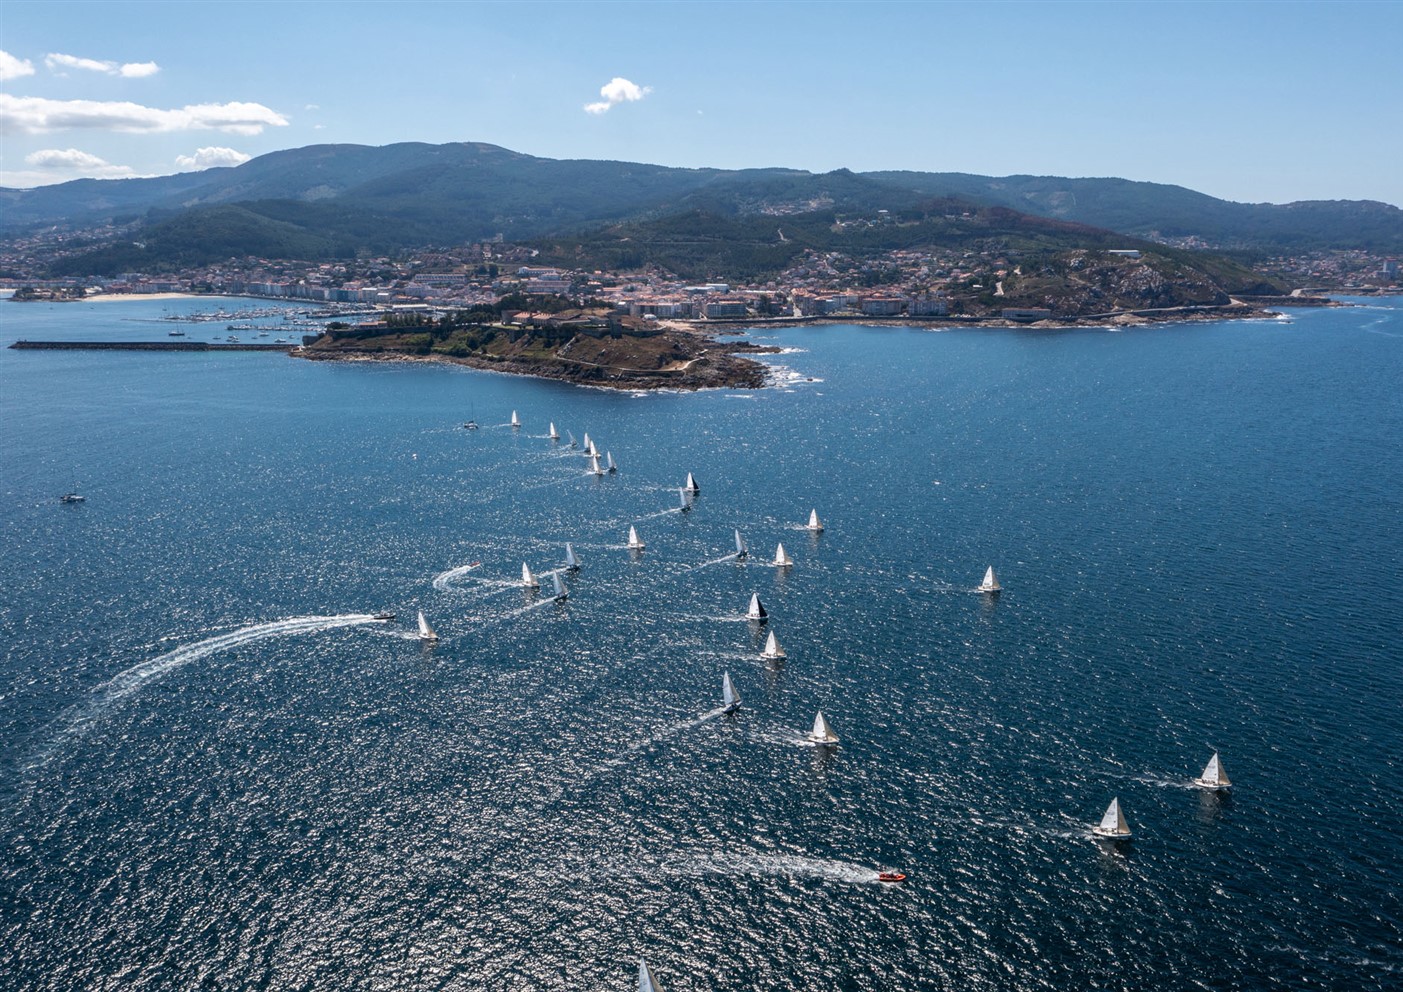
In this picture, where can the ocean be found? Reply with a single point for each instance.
(217, 771)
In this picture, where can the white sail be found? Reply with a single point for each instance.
(593, 450)
(554, 434)
(682, 503)
(594, 465)
(527, 579)
(991, 581)
(781, 558)
(571, 437)
(692, 484)
(571, 562)
(609, 462)
(1113, 823)
(730, 699)
(822, 732)
(741, 550)
(588, 444)
(1213, 776)
(560, 591)
(516, 421)
(757, 610)
(646, 981)
(772, 648)
(814, 524)
(426, 633)
(633, 541)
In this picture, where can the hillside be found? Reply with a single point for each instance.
(323, 200)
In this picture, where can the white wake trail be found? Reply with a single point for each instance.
(78, 719)
(443, 579)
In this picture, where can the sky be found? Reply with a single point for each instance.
(1254, 102)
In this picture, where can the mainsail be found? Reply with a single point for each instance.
(781, 558)
(516, 421)
(692, 484)
(741, 550)
(730, 699)
(633, 541)
(426, 633)
(822, 732)
(571, 562)
(1113, 824)
(554, 434)
(609, 462)
(772, 648)
(1213, 776)
(560, 591)
(814, 524)
(646, 981)
(756, 611)
(527, 579)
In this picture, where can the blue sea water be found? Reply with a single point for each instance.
(216, 772)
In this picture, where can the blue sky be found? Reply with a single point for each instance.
(1267, 101)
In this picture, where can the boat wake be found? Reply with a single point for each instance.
(79, 719)
(444, 579)
(1164, 782)
(786, 865)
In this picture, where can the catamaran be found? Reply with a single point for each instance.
(609, 462)
(554, 434)
(527, 579)
(426, 633)
(730, 699)
(757, 610)
(741, 550)
(772, 651)
(822, 732)
(782, 560)
(634, 543)
(561, 594)
(646, 981)
(1112, 825)
(1213, 776)
(571, 562)
(516, 421)
(814, 526)
(692, 484)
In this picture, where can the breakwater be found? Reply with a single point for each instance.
(147, 346)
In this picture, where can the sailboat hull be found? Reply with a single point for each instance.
(1100, 834)
(1204, 783)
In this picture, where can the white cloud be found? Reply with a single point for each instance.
(13, 68)
(73, 163)
(57, 62)
(615, 91)
(209, 158)
(36, 115)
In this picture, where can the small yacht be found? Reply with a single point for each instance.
(383, 617)
(560, 594)
(646, 981)
(571, 562)
(782, 559)
(516, 421)
(587, 443)
(554, 434)
(1112, 825)
(741, 550)
(609, 462)
(634, 543)
(426, 633)
(822, 732)
(528, 580)
(814, 526)
(572, 439)
(772, 652)
(594, 467)
(72, 497)
(1213, 776)
(991, 582)
(757, 609)
(683, 505)
(692, 486)
(730, 699)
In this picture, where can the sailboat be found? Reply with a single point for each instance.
(822, 732)
(683, 505)
(561, 593)
(730, 699)
(609, 462)
(772, 649)
(756, 611)
(782, 560)
(741, 550)
(991, 582)
(571, 562)
(646, 981)
(814, 526)
(1112, 825)
(594, 466)
(553, 434)
(593, 450)
(634, 543)
(516, 421)
(72, 496)
(426, 633)
(527, 579)
(572, 439)
(588, 444)
(692, 484)
(472, 419)
(1213, 776)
